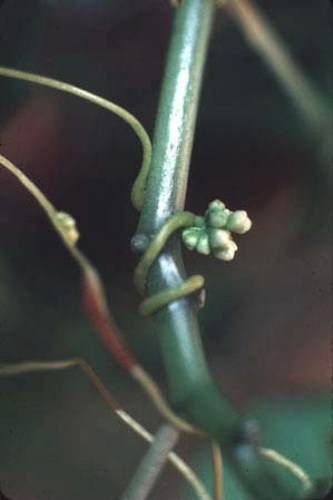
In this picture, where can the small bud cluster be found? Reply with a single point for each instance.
(67, 226)
(212, 233)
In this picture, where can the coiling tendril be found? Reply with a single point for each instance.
(211, 233)
(205, 234)
(94, 299)
(138, 189)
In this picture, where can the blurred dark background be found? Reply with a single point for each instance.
(267, 321)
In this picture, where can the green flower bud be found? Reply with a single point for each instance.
(67, 225)
(213, 231)
(203, 244)
(228, 253)
(216, 205)
(239, 222)
(191, 236)
(219, 238)
(216, 218)
(199, 222)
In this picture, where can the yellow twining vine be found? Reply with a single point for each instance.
(205, 234)
(211, 233)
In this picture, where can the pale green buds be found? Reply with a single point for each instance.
(196, 238)
(216, 215)
(239, 222)
(67, 225)
(219, 238)
(217, 218)
(216, 205)
(203, 244)
(212, 233)
(228, 252)
(191, 237)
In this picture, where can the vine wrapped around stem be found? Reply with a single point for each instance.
(197, 391)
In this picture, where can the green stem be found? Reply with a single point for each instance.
(152, 464)
(191, 389)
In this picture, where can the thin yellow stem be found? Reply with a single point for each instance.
(152, 389)
(137, 372)
(138, 190)
(288, 464)
(12, 369)
(218, 470)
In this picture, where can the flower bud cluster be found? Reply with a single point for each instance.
(67, 225)
(212, 233)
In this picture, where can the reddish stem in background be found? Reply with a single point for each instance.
(95, 306)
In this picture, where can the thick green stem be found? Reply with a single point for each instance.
(191, 389)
